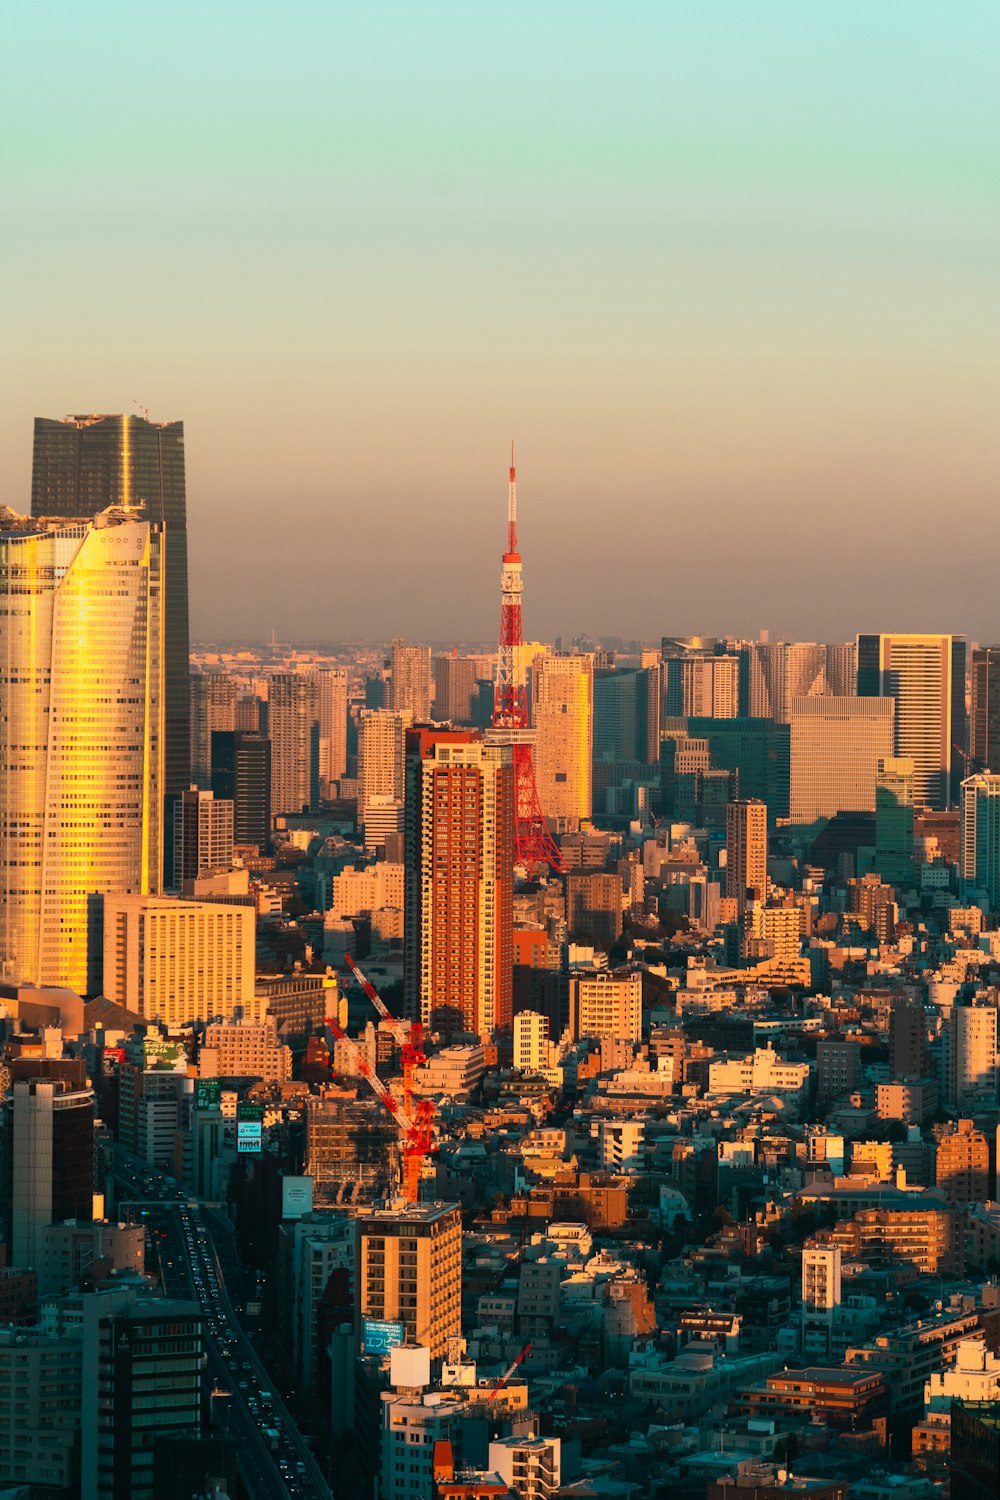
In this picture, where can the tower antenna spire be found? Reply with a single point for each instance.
(534, 846)
(512, 505)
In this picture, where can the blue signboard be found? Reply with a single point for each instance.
(378, 1336)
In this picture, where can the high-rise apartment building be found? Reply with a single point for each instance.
(50, 1162)
(81, 734)
(603, 1004)
(241, 774)
(836, 745)
(458, 895)
(40, 1397)
(980, 831)
(213, 707)
(984, 711)
(203, 835)
(805, 671)
(294, 732)
(821, 1296)
(702, 686)
(411, 680)
(332, 726)
(894, 820)
(83, 464)
(455, 679)
(247, 718)
(179, 961)
(410, 1271)
(971, 1057)
(562, 692)
(381, 756)
(926, 676)
(765, 679)
(746, 853)
(962, 1163)
(842, 668)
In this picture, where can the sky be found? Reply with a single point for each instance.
(729, 273)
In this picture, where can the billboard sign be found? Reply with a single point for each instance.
(296, 1197)
(248, 1137)
(208, 1093)
(379, 1336)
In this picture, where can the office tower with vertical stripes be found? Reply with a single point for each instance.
(926, 676)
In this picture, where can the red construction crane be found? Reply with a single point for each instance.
(409, 1039)
(507, 1374)
(534, 846)
(416, 1126)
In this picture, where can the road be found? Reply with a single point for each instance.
(274, 1458)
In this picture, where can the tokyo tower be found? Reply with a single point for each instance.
(534, 846)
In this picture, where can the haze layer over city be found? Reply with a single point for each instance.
(500, 753)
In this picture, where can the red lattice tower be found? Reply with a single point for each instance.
(534, 845)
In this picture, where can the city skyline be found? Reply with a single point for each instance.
(730, 274)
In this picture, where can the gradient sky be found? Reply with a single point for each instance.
(729, 272)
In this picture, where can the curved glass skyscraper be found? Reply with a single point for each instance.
(81, 735)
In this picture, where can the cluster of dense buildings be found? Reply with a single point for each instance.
(703, 1120)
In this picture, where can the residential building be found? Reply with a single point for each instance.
(293, 706)
(454, 687)
(562, 695)
(203, 835)
(410, 1270)
(836, 745)
(530, 1466)
(381, 756)
(241, 774)
(962, 1163)
(245, 1049)
(458, 943)
(603, 1004)
(81, 465)
(213, 708)
(701, 685)
(82, 729)
(531, 1041)
(332, 710)
(821, 1296)
(178, 961)
(971, 1056)
(925, 674)
(594, 908)
(762, 1073)
(411, 681)
(746, 853)
(40, 1398)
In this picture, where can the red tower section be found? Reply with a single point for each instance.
(534, 846)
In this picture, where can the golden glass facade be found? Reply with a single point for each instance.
(81, 735)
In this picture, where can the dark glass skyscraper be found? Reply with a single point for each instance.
(83, 464)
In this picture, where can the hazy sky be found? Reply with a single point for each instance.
(729, 272)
